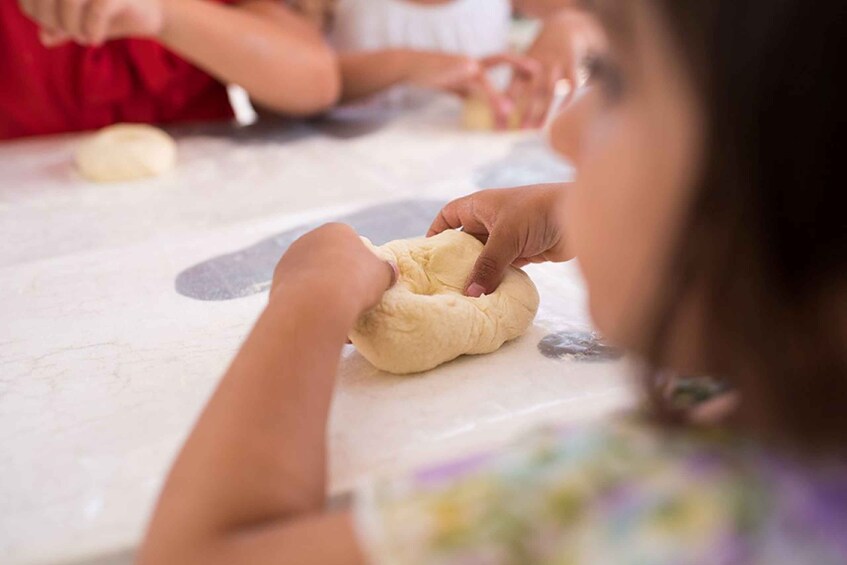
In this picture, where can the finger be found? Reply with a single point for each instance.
(518, 89)
(46, 13)
(544, 99)
(27, 7)
(490, 267)
(526, 72)
(448, 218)
(501, 106)
(458, 77)
(70, 17)
(52, 38)
(520, 92)
(394, 275)
(97, 20)
(533, 96)
(520, 65)
(537, 100)
(439, 224)
(458, 214)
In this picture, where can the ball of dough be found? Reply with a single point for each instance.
(425, 319)
(126, 152)
(477, 115)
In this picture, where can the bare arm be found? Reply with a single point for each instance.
(250, 483)
(541, 8)
(279, 59)
(366, 73)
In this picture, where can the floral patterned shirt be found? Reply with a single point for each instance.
(622, 493)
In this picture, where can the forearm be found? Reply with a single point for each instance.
(367, 73)
(257, 454)
(280, 60)
(541, 8)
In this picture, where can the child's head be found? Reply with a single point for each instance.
(705, 211)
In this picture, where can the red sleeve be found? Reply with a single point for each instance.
(73, 87)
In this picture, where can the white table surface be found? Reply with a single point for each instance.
(104, 364)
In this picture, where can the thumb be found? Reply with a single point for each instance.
(490, 267)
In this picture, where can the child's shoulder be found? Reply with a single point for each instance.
(625, 491)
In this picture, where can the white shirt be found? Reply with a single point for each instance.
(470, 27)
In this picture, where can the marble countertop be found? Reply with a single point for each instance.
(121, 305)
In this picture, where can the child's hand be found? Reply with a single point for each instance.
(91, 22)
(466, 76)
(560, 50)
(334, 261)
(518, 226)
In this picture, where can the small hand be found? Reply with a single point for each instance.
(466, 76)
(566, 41)
(517, 225)
(91, 22)
(333, 259)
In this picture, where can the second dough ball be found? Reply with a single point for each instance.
(477, 115)
(126, 152)
(425, 319)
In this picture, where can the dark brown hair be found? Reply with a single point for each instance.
(764, 247)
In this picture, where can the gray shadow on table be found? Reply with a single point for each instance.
(529, 162)
(352, 122)
(249, 271)
(268, 129)
(577, 346)
(343, 123)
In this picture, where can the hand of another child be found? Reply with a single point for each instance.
(566, 41)
(466, 76)
(91, 22)
(517, 225)
(333, 260)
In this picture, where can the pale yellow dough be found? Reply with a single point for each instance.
(477, 115)
(126, 152)
(425, 320)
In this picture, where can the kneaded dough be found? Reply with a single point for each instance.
(425, 319)
(477, 115)
(125, 152)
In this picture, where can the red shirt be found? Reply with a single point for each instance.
(73, 87)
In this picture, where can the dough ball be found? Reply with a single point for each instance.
(425, 320)
(126, 152)
(477, 115)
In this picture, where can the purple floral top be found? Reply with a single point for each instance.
(622, 493)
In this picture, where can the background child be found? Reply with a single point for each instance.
(711, 243)
(82, 64)
(452, 45)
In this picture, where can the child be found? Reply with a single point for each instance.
(81, 64)
(450, 45)
(711, 243)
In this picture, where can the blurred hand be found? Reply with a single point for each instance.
(466, 76)
(567, 39)
(91, 22)
(517, 225)
(333, 259)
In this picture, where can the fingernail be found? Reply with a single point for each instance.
(395, 270)
(475, 290)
